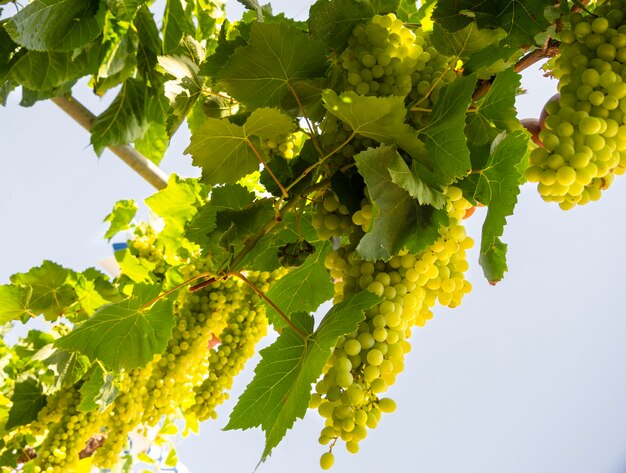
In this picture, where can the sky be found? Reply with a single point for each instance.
(526, 376)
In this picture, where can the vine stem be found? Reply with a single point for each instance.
(269, 301)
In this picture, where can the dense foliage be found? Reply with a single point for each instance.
(339, 159)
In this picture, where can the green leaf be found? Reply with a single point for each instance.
(264, 255)
(28, 399)
(14, 302)
(278, 54)
(30, 97)
(521, 19)
(57, 25)
(407, 11)
(399, 221)
(51, 291)
(280, 391)
(129, 116)
(99, 391)
(119, 61)
(183, 90)
(226, 152)
(332, 21)
(124, 10)
(496, 111)
(120, 217)
(177, 22)
(178, 202)
(379, 118)
(125, 335)
(448, 155)
(302, 289)
(137, 269)
(149, 47)
(68, 368)
(498, 187)
(46, 70)
(89, 297)
(234, 227)
(465, 42)
(408, 180)
(492, 60)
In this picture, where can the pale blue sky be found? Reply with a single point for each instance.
(527, 376)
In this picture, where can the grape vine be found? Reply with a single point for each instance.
(339, 157)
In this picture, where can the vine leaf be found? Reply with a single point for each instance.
(226, 152)
(498, 187)
(68, 368)
(496, 111)
(28, 399)
(178, 202)
(228, 197)
(120, 217)
(138, 270)
(521, 19)
(260, 74)
(38, 70)
(465, 42)
(124, 335)
(129, 117)
(408, 12)
(99, 391)
(302, 289)
(14, 302)
(183, 90)
(379, 118)
(448, 155)
(51, 292)
(333, 21)
(176, 23)
(280, 391)
(399, 221)
(56, 25)
(407, 179)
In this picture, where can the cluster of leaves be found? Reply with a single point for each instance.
(238, 85)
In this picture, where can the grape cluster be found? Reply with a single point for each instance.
(286, 146)
(68, 430)
(245, 326)
(380, 57)
(144, 246)
(332, 219)
(365, 363)
(584, 139)
(124, 415)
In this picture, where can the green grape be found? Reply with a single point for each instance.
(287, 146)
(331, 219)
(327, 460)
(583, 142)
(381, 56)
